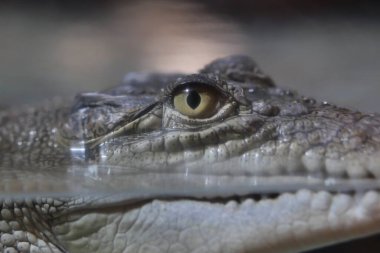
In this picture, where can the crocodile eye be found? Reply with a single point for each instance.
(196, 101)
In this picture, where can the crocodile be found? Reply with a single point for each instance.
(222, 160)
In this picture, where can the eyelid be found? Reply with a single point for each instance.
(195, 79)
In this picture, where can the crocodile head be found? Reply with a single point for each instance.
(218, 161)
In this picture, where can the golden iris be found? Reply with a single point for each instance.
(196, 102)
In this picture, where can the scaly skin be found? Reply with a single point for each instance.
(264, 170)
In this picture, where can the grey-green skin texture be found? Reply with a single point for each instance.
(124, 171)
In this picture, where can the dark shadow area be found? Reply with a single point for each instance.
(370, 244)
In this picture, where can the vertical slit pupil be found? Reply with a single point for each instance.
(193, 99)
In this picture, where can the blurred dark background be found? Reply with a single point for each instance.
(325, 49)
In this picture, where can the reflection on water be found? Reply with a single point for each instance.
(47, 51)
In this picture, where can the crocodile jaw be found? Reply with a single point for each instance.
(289, 223)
